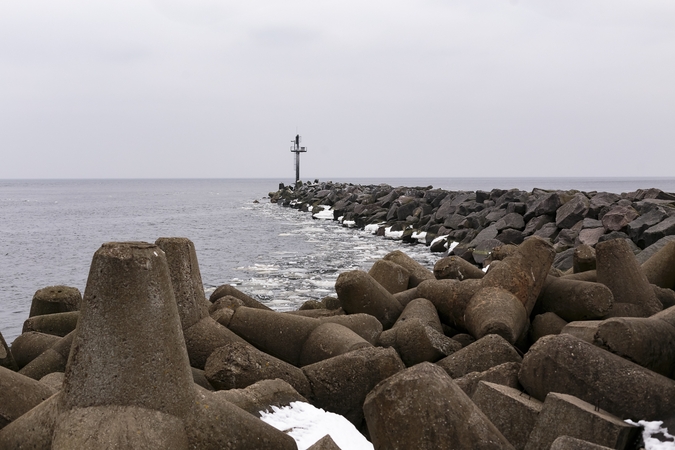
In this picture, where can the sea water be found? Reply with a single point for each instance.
(50, 229)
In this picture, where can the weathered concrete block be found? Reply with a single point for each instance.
(584, 258)
(53, 381)
(393, 277)
(406, 296)
(456, 268)
(226, 301)
(28, 346)
(660, 268)
(223, 316)
(417, 342)
(665, 296)
(365, 325)
(237, 366)
(262, 395)
(227, 289)
(418, 272)
(340, 384)
(566, 415)
(450, 297)
(524, 272)
(422, 309)
(494, 310)
(58, 324)
(55, 299)
(281, 335)
(53, 359)
(205, 336)
(649, 342)
(6, 358)
(108, 427)
(545, 324)
(584, 330)
(513, 412)
(574, 300)
(205, 427)
(505, 374)
(360, 293)
(480, 356)
(422, 408)
(186, 279)
(19, 394)
(328, 340)
(618, 269)
(200, 379)
(568, 365)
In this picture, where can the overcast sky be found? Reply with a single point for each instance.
(206, 88)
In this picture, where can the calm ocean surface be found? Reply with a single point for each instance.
(50, 229)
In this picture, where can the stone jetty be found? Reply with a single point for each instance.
(537, 351)
(481, 221)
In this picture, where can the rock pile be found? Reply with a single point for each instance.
(481, 221)
(518, 357)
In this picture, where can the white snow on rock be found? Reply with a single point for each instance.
(307, 424)
(421, 236)
(392, 234)
(326, 213)
(651, 428)
(371, 228)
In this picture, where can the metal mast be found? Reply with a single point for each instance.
(295, 148)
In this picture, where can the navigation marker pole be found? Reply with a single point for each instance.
(295, 148)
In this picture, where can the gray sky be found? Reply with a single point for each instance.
(205, 88)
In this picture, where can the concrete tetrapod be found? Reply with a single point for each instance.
(660, 268)
(418, 272)
(422, 408)
(237, 366)
(418, 335)
(53, 359)
(618, 269)
(567, 365)
(58, 324)
(340, 384)
(201, 332)
(6, 357)
(524, 272)
(456, 268)
(227, 289)
(647, 341)
(575, 300)
(493, 310)
(358, 292)
(28, 346)
(128, 382)
(391, 276)
(55, 299)
(450, 297)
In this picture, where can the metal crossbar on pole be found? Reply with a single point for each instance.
(295, 148)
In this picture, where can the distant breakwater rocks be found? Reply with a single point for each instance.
(478, 222)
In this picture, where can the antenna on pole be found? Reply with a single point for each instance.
(295, 148)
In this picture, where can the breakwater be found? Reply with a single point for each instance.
(480, 221)
(521, 355)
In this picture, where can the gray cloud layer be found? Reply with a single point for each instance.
(203, 88)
